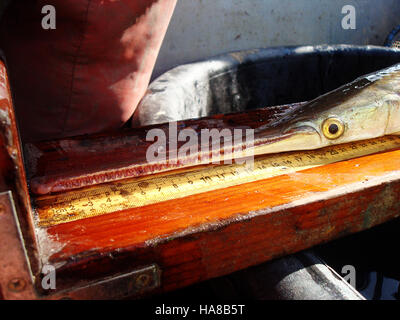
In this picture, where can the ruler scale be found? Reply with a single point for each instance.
(137, 192)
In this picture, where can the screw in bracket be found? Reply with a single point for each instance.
(16, 285)
(142, 280)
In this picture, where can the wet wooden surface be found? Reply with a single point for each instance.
(219, 232)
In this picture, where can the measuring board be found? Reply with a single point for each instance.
(137, 192)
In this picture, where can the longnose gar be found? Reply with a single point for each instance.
(366, 108)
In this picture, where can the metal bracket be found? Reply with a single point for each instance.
(15, 277)
(126, 285)
(16, 281)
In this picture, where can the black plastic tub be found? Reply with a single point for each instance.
(257, 78)
(266, 77)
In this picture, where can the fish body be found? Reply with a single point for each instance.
(368, 107)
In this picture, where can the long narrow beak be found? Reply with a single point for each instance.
(302, 137)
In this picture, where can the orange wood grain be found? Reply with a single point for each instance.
(218, 232)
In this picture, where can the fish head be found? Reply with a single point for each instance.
(360, 110)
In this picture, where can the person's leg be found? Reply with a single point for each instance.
(89, 73)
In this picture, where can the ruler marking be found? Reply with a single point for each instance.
(137, 192)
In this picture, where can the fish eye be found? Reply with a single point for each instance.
(332, 128)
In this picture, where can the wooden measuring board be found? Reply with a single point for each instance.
(216, 231)
(137, 192)
(190, 238)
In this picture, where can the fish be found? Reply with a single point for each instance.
(366, 108)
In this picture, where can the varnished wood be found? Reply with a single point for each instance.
(215, 233)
